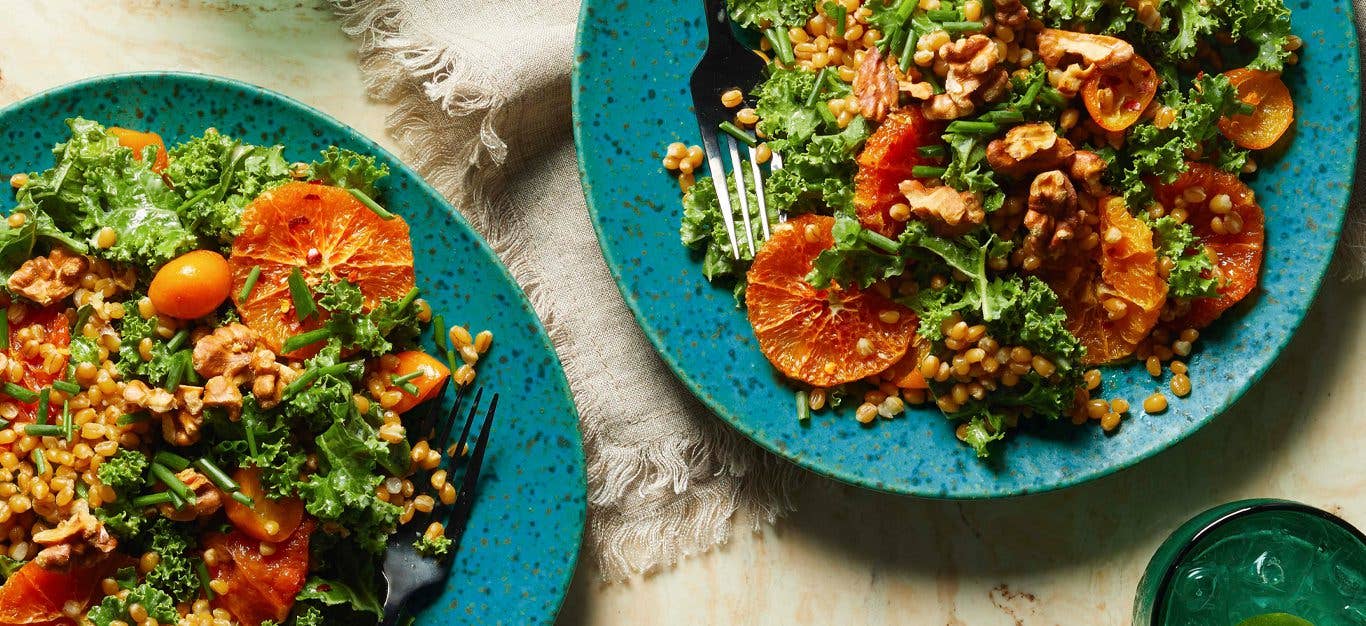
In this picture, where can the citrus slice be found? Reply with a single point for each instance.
(320, 230)
(814, 335)
(1123, 269)
(1238, 254)
(905, 374)
(887, 159)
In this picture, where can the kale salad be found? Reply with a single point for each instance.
(978, 203)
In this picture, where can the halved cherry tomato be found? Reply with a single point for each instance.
(1116, 97)
(34, 595)
(260, 587)
(283, 515)
(191, 285)
(433, 375)
(1272, 109)
(137, 140)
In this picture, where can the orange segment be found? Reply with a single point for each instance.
(1125, 269)
(1273, 110)
(905, 373)
(1238, 254)
(33, 595)
(886, 160)
(320, 230)
(813, 335)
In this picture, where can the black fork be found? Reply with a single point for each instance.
(407, 571)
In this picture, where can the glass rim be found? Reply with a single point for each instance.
(1252, 508)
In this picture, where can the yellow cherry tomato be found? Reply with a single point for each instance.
(433, 374)
(191, 285)
(265, 519)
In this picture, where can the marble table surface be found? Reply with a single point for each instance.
(847, 555)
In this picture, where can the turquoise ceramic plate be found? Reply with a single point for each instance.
(631, 99)
(522, 542)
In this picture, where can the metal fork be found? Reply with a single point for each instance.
(728, 63)
(407, 571)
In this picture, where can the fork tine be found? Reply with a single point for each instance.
(759, 190)
(427, 422)
(464, 500)
(718, 181)
(444, 435)
(741, 190)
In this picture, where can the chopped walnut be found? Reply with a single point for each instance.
(1094, 50)
(155, 399)
(948, 211)
(207, 498)
(182, 428)
(875, 86)
(79, 540)
(220, 391)
(1070, 80)
(1086, 170)
(1029, 149)
(1011, 13)
(48, 279)
(974, 72)
(229, 351)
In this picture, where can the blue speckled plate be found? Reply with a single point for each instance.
(519, 552)
(631, 99)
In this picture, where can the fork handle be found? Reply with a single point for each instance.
(716, 19)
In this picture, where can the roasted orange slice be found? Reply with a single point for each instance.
(822, 337)
(886, 160)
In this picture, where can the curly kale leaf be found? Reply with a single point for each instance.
(125, 470)
(158, 604)
(1192, 272)
(346, 168)
(175, 572)
(134, 328)
(216, 176)
(770, 13)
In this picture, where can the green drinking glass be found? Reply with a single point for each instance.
(1257, 563)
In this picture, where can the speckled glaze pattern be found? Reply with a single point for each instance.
(631, 99)
(522, 543)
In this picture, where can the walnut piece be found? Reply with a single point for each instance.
(207, 498)
(974, 74)
(949, 212)
(1086, 170)
(1011, 13)
(1052, 218)
(1100, 51)
(79, 540)
(220, 391)
(182, 427)
(875, 86)
(1029, 149)
(48, 279)
(228, 351)
(1070, 80)
(137, 394)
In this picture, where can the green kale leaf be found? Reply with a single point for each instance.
(770, 13)
(159, 606)
(216, 176)
(433, 546)
(1192, 276)
(345, 168)
(175, 572)
(133, 329)
(124, 471)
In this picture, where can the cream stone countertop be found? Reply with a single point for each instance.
(847, 556)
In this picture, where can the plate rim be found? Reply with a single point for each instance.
(656, 339)
(543, 336)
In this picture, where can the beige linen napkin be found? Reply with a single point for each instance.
(481, 90)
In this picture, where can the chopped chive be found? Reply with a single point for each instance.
(371, 204)
(216, 474)
(968, 127)
(191, 376)
(826, 115)
(167, 477)
(153, 499)
(248, 286)
(450, 362)
(409, 389)
(302, 339)
(249, 427)
(782, 45)
(740, 134)
(4, 423)
(43, 430)
(4, 328)
(178, 340)
(311, 375)
(304, 307)
(39, 462)
(202, 572)
(174, 373)
(818, 88)
(803, 409)
(933, 80)
(171, 460)
(66, 386)
(936, 150)
(879, 241)
(81, 490)
(1031, 94)
(82, 316)
(243, 498)
(1053, 97)
(945, 15)
(928, 171)
(399, 380)
(1003, 117)
(904, 58)
(961, 27)
(67, 424)
(439, 331)
(18, 393)
(132, 418)
(44, 405)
